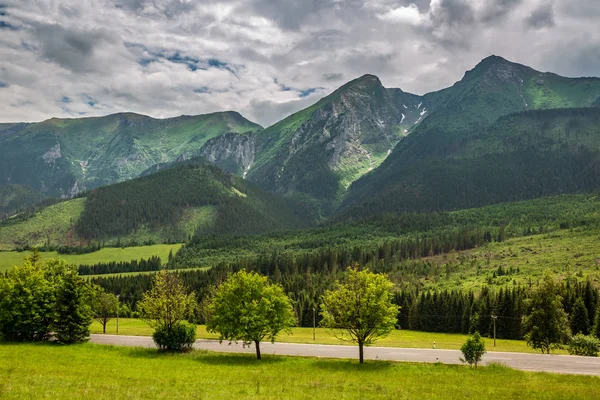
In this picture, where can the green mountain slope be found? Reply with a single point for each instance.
(194, 197)
(318, 152)
(520, 156)
(16, 198)
(436, 166)
(61, 157)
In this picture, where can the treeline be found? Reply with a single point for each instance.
(431, 310)
(151, 264)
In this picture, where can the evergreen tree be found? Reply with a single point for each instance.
(579, 318)
(546, 323)
(72, 310)
(596, 329)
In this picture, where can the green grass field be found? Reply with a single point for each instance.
(399, 338)
(101, 372)
(107, 254)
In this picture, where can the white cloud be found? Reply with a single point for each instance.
(262, 58)
(405, 15)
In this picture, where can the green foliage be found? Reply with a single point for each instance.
(247, 308)
(38, 298)
(104, 306)
(582, 345)
(27, 300)
(579, 318)
(360, 309)
(473, 349)
(596, 327)
(72, 313)
(546, 323)
(177, 338)
(168, 302)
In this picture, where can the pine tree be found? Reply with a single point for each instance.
(579, 318)
(596, 329)
(73, 312)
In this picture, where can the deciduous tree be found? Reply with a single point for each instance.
(360, 309)
(247, 308)
(473, 349)
(104, 306)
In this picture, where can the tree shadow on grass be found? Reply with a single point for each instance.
(213, 358)
(352, 365)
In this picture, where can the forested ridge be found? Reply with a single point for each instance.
(161, 199)
(520, 156)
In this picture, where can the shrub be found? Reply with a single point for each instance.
(582, 345)
(177, 338)
(473, 349)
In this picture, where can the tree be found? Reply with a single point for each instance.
(546, 324)
(72, 311)
(360, 310)
(168, 302)
(38, 297)
(104, 306)
(165, 307)
(596, 328)
(247, 308)
(473, 349)
(26, 302)
(582, 345)
(579, 318)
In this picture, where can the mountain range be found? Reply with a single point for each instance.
(504, 132)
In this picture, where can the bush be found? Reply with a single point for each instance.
(177, 338)
(473, 349)
(582, 345)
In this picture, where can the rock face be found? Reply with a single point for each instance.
(232, 151)
(318, 152)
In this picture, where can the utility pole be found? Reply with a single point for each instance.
(494, 317)
(118, 305)
(314, 323)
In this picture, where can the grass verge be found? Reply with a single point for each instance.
(100, 372)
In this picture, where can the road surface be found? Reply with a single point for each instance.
(527, 362)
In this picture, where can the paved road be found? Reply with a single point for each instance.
(527, 362)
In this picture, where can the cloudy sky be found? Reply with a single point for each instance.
(266, 58)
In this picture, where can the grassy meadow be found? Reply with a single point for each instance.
(398, 338)
(565, 253)
(107, 254)
(98, 372)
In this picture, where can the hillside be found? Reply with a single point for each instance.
(17, 198)
(520, 156)
(316, 153)
(61, 157)
(171, 205)
(483, 143)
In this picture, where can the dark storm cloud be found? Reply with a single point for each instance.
(541, 18)
(267, 58)
(73, 49)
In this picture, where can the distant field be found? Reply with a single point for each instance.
(400, 338)
(108, 254)
(101, 372)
